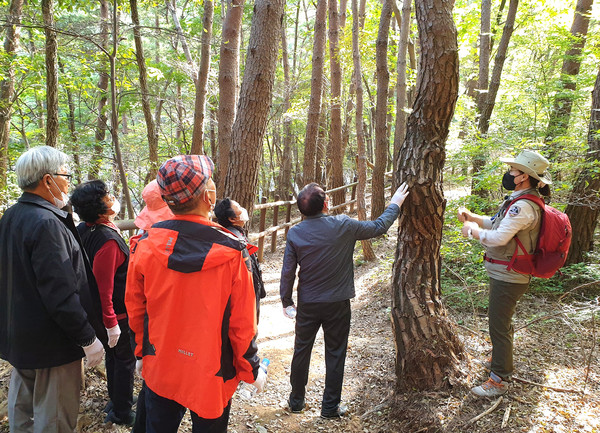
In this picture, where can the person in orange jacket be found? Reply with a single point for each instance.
(191, 306)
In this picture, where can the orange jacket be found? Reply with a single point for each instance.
(191, 305)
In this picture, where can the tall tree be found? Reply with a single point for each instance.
(427, 345)
(488, 107)
(151, 129)
(316, 90)
(563, 101)
(228, 84)
(51, 74)
(101, 119)
(401, 90)
(335, 152)
(584, 203)
(361, 160)
(285, 178)
(197, 136)
(7, 85)
(255, 100)
(485, 46)
(381, 110)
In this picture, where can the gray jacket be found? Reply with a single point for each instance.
(323, 246)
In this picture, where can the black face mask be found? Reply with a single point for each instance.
(508, 181)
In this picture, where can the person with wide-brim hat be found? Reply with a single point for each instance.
(515, 219)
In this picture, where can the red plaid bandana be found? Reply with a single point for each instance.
(181, 177)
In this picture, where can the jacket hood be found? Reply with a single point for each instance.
(191, 244)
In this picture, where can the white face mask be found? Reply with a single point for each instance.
(116, 208)
(64, 198)
(243, 215)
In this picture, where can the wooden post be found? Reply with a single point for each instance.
(353, 196)
(261, 228)
(275, 218)
(288, 214)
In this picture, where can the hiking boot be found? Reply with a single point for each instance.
(494, 387)
(128, 420)
(339, 412)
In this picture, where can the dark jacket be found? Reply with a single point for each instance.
(93, 237)
(43, 285)
(323, 246)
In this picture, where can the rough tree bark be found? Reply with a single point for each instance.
(151, 130)
(558, 123)
(360, 135)
(381, 109)
(101, 124)
(7, 85)
(73, 145)
(51, 74)
(486, 112)
(228, 83)
(401, 97)
(335, 154)
(584, 203)
(428, 349)
(316, 90)
(255, 100)
(197, 135)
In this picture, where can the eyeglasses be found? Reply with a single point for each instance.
(68, 176)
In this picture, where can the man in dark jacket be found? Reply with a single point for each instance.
(323, 246)
(44, 329)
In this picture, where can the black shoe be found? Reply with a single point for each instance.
(296, 408)
(340, 411)
(128, 420)
(108, 406)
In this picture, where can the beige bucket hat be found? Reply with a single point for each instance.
(531, 163)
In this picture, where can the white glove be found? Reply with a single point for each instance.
(138, 367)
(260, 381)
(400, 194)
(113, 335)
(93, 353)
(289, 312)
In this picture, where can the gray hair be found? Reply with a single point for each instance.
(36, 162)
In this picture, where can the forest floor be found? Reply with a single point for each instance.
(556, 351)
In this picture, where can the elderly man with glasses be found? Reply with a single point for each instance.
(44, 329)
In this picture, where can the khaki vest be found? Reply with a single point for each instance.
(528, 238)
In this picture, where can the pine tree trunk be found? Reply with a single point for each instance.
(584, 203)
(427, 345)
(255, 100)
(197, 136)
(401, 96)
(101, 119)
(73, 145)
(7, 86)
(51, 74)
(381, 133)
(229, 61)
(316, 90)
(486, 112)
(563, 101)
(336, 156)
(151, 130)
(360, 136)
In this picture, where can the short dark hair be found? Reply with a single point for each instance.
(87, 200)
(311, 200)
(223, 211)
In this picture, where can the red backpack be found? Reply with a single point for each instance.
(552, 246)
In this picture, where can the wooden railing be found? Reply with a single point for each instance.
(263, 206)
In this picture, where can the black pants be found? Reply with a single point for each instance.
(164, 416)
(120, 366)
(334, 317)
(139, 425)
